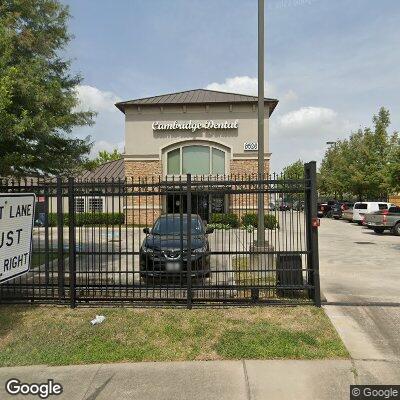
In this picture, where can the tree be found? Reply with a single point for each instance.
(333, 173)
(103, 157)
(38, 99)
(366, 165)
(393, 165)
(294, 171)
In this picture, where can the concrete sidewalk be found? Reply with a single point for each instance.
(208, 380)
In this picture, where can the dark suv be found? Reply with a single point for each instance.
(325, 209)
(164, 252)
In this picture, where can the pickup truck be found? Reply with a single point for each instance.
(383, 220)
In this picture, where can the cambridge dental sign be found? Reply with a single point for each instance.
(16, 222)
(194, 125)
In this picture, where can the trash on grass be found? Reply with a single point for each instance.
(98, 320)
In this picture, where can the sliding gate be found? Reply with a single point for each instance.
(115, 241)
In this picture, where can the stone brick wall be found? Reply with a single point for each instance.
(241, 204)
(142, 169)
(246, 167)
(142, 209)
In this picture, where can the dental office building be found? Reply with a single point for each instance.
(202, 132)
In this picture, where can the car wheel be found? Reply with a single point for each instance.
(379, 230)
(396, 229)
(336, 217)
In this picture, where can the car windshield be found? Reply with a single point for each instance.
(172, 226)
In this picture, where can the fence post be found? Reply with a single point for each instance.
(189, 239)
(46, 236)
(72, 249)
(60, 241)
(310, 175)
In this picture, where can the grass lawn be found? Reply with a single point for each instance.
(57, 336)
(245, 275)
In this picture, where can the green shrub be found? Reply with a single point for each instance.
(90, 219)
(225, 219)
(270, 222)
(251, 219)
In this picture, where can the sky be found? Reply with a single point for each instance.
(331, 64)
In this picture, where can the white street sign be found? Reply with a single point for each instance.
(17, 212)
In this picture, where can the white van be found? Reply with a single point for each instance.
(365, 207)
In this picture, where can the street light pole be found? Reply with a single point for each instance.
(260, 229)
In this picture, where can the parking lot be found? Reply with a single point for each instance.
(360, 275)
(118, 266)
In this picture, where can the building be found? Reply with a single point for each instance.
(201, 132)
(197, 131)
(395, 199)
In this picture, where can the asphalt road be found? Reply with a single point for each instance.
(360, 277)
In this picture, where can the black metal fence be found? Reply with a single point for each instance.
(134, 242)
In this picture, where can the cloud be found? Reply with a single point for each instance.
(303, 134)
(248, 85)
(94, 99)
(100, 145)
(241, 84)
(108, 131)
(307, 120)
(290, 95)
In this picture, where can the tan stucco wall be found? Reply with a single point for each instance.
(141, 142)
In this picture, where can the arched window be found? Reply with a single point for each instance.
(196, 160)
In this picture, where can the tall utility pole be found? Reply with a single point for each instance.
(261, 229)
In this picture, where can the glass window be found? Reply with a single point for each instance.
(360, 206)
(174, 162)
(217, 203)
(218, 161)
(171, 225)
(196, 160)
(95, 205)
(79, 205)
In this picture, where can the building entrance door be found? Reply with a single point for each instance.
(202, 204)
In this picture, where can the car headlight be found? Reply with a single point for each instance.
(147, 249)
(200, 250)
